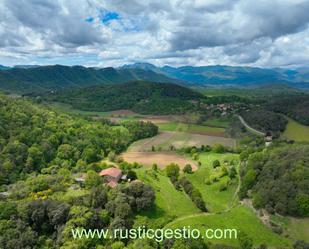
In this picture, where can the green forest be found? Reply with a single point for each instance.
(139, 96)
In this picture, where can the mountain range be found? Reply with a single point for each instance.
(26, 79)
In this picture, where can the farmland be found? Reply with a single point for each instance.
(162, 159)
(165, 140)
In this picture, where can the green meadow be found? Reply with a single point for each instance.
(190, 128)
(296, 131)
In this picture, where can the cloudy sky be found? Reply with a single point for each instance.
(168, 32)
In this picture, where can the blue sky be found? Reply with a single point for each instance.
(168, 32)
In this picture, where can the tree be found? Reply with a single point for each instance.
(300, 244)
(172, 170)
(155, 167)
(98, 197)
(131, 175)
(216, 163)
(232, 172)
(187, 169)
(123, 210)
(219, 148)
(93, 179)
(89, 155)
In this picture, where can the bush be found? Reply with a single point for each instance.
(216, 163)
(187, 169)
(172, 170)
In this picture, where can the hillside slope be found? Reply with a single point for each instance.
(229, 75)
(45, 78)
(140, 96)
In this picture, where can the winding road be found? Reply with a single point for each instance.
(249, 127)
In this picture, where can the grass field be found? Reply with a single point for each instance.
(169, 201)
(296, 131)
(294, 227)
(192, 128)
(174, 209)
(240, 218)
(217, 123)
(215, 200)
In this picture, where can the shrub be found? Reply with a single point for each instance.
(187, 169)
(216, 163)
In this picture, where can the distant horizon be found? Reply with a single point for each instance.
(165, 65)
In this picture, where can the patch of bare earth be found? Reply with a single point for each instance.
(123, 112)
(160, 158)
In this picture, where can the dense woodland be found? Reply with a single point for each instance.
(265, 121)
(295, 107)
(33, 138)
(42, 153)
(143, 97)
(278, 180)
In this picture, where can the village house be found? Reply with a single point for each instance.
(111, 176)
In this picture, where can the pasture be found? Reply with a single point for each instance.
(192, 128)
(169, 202)
(240, 218)
(296, 131)
(216, 200)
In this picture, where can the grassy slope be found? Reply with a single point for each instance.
(215, 200)
(240, 218)
(296, 131)
(169, 201)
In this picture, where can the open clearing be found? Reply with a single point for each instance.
(216, 200)
(169, 202)
(164, 140)
(240, 218)
(160, 158)
(141, 151)
(174, 208)
(192, 128)
(296, 131)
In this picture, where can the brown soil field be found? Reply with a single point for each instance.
(178, 139)
(161, 158)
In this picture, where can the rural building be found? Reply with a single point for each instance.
(111, 176)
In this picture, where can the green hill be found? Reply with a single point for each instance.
(44, 78)
(140, 96)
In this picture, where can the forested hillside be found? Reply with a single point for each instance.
(32, 138)
(140, 96)
(278, 180)
(296, 107)
(45, 78)
(265, 121)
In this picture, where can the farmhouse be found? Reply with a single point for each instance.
(111, 176)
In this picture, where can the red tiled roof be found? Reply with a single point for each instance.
(114, 172)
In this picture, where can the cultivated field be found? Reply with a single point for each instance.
(164, 140)
(192, 128)
(160, 158)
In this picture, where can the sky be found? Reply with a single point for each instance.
(262, 33)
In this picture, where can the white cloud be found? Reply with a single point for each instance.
(176, 32)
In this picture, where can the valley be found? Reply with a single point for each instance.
(212, 152)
